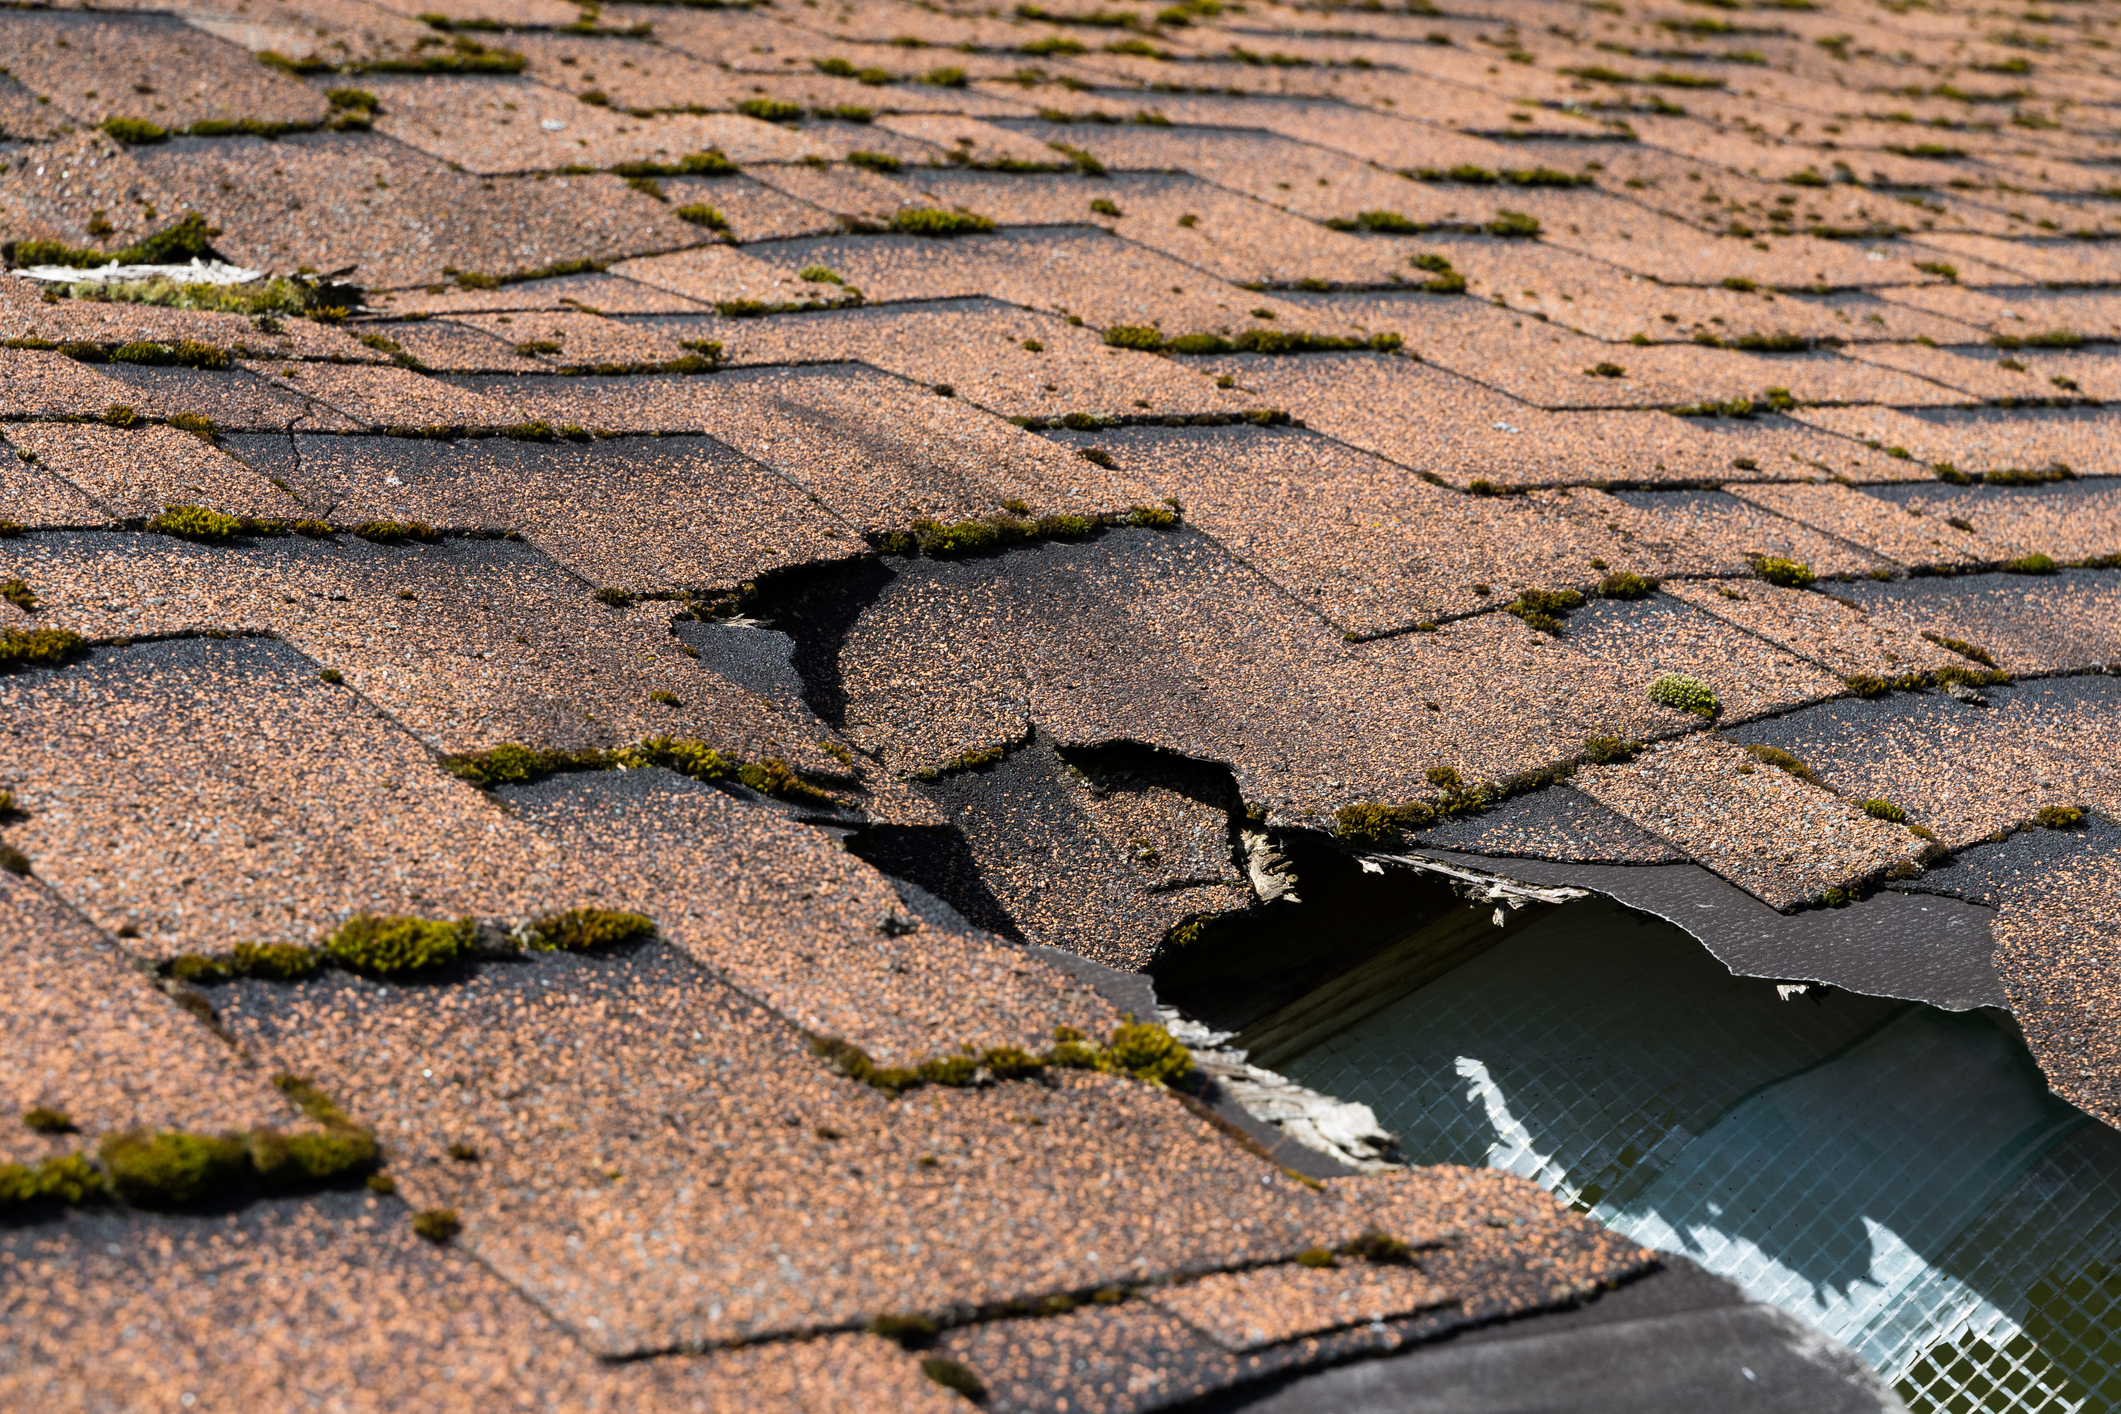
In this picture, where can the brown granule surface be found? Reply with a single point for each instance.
(1967, 771)
(269, 818)
(732, 1214)
(135, 472)
(582, 340)
(39, 383)
(36, 499)
(976, 349)
(1750, 677)
(161, 70)
(394, 213)
(786, 916)
(1068, 271)
(2052, 954)
(1776, 837)
(1838, 636)
(339, 1300)
(2028, 624)
(1890, 531)
(596, 292)
(644, 516)
(1243, 1311)
(466, 643)
(710, 275)
(384, 397)
(1979, 440)
(469, 122)
(1731, 530)
(885, 453)
(93, 1039)
(237, 400)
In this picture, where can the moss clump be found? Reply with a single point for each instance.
(390, 947)
(930, 221)
(1968, 651)
(1381, 1247)
(185, 353)
(273, 962)
(1790, 574)
(1885, 810)
(437, 1225)
(48, 1121)
(1147, 1052)
(587, 929)
(954, 1375)
(1867, 685)
(172, 1169)
(769, 110)
(1012, 1063)
(1625, 585)
(776, 777)
(1609, 750)
(284, 1161)
(2031, 564)
(1782, 761)
(18, 593)
(195, 523)
(197, 424)
(1380, 824)
(1686, 693)
(393, 532)
(2059, 817)
(700, 214)
(1543, 609)
(67, 1178)
(187, 240)
(38, 647)
(1316, 1257)
(955, 1071)
(1513, 225)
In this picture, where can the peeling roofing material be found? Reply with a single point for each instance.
(1066, 709)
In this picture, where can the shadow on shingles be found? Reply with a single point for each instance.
(936, 865)
(1994, 872)
(818, 608)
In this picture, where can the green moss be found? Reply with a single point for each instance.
(273, 962)
(18, 593)
(285, 1161)
(1868, 685)
(930, 221)
(437, 1225)
(187, 240)
(1544, 609)
(390, 947)
(1012, 1063)
(2059, 817)
(48, 1121)
(135, 132)
(770, 110)
(1380, 824)
(1381, 1247)
(956, 1071)
(195, 423)
(1316, 1257)
(2030, 564)
(184, 353)
(1684, 692)
(1782, 761)
(1790, 574)
(395, 532)
(1964, 649)
(1625, 585)
(173, 1169)
(1609, 750)
(38, 648)
(587, 930)
(194, 523)
(1884, 810)
(1147, 1052)
(954, 1375)
(65, 1178)
(702, 215)
(1513, 225)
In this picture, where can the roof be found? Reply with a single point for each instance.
(796, 556)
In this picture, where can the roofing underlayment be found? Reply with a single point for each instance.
(1068, 709)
